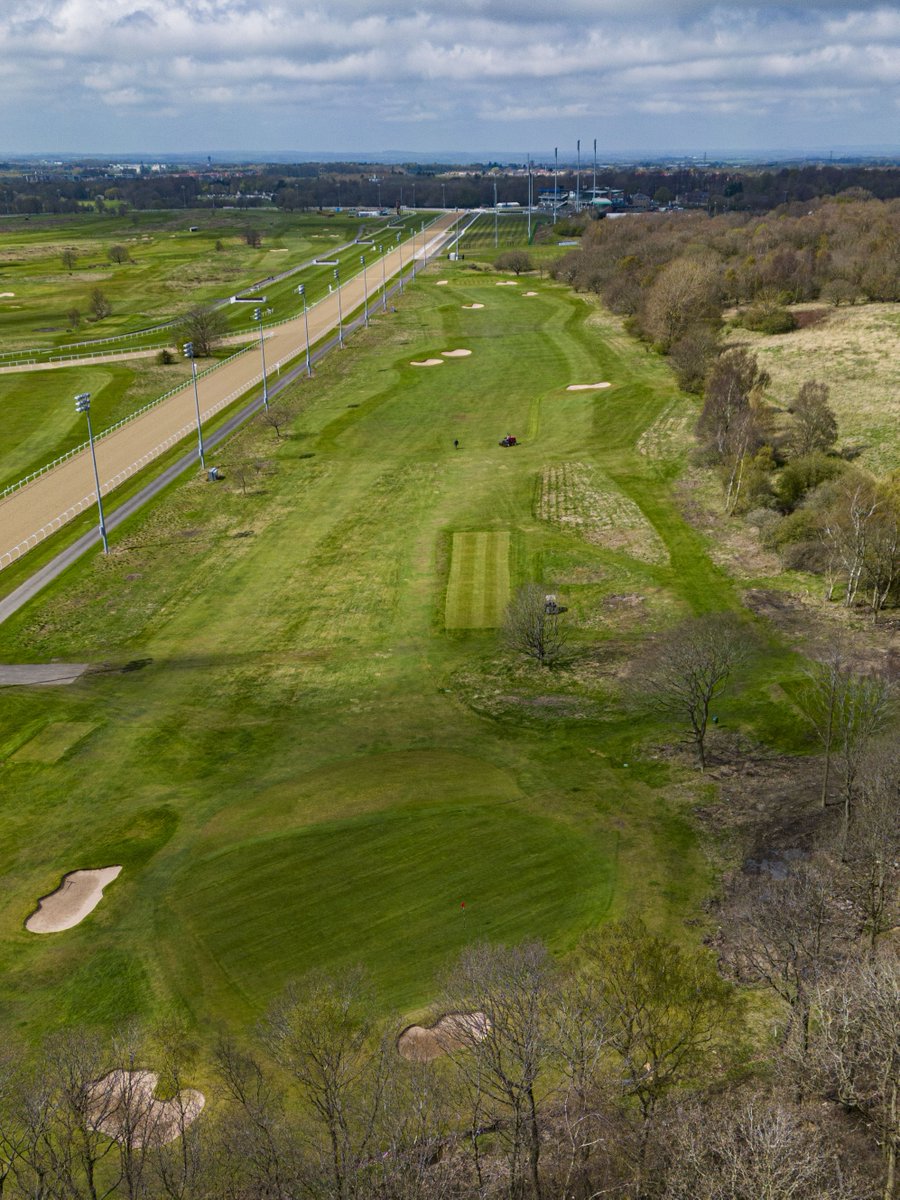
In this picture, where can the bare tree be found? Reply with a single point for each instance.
(864, 708)
(322, 1032)
(873, 846)
(532, 625)
(204, 327)
(99, 304)
(858, 1050)
(734, 421)
(276, 416)
(503, 1047)
(68, 258)
(686, 669)
(685, 291)
(787, 934)
(815, 426)
(118, 254)
(758, 1149)
(73, 316)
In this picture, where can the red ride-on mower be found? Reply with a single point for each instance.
(509, 440)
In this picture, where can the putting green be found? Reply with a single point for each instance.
(401, 890)
(478, 588)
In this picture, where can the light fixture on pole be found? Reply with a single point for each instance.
(555, 181)
(337, 275)
(400, 252)
(301, 291)
(362, 259)
(258, 316)
(188, 349)
(383, 281)
(83, 405)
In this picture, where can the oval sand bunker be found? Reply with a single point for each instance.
(442, 282)
(456, 353)
(586, 387)
(123, 1106)
(473, 306)
(79, 894)
(428, 362)
(424, 1043)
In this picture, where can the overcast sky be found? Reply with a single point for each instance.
(162, 76)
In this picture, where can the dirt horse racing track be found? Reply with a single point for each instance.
(35, 511)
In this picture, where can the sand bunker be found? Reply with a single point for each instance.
(529, 293)
(586, 387)
(456, 353)
(455, 1031)
(442, 283)
(508, 283)
(473, 306)
(122, 1105)
(427, 362)
(79, 894)
(3, 295)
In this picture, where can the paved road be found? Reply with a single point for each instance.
(49, 502)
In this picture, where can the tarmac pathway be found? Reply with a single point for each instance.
(35, 511)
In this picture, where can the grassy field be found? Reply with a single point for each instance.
(175, 261)
(294, 759)
(852, 351)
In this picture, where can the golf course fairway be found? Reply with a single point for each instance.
(300, 746)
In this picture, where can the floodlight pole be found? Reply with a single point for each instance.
(258, 316)
(400, 252)
(414, 252)
(362, 259)
(594, 186)
(424, 247)
(496, 243)
(555, 181)
(578, 178)
(529, 197)
(383, 281)
(337, 275)
(188, 349)
(301, 291)
(83, 404)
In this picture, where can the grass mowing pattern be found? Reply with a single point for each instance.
(395, 881)
(478, 588)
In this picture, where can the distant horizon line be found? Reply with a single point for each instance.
(841, 152)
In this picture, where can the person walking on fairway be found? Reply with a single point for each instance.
(456, 443)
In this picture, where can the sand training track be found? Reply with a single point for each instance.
(455, 1031)
(79, 894)
(53, 499)
(122, 1105)
(586, 387)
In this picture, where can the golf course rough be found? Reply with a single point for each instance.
(478, 587)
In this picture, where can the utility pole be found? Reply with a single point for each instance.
(594, 184)
(496, 243)
(362, 259)
(337, 276)
(529, 197)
